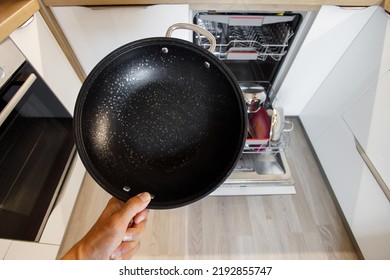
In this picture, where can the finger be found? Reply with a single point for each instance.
(134, 205)
(113, 205)
(128, 255)
(141, 216)
(126, 250)
(134, 233)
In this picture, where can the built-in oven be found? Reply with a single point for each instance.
(258, 47)
(36, 147)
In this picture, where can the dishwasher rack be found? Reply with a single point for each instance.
(247, 42)
(267, 146)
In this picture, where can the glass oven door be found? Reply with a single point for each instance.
(36, 147)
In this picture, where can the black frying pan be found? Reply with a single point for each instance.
(160, 115)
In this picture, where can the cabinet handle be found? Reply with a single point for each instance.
(27, 22)
(373, 170)
(16, 98)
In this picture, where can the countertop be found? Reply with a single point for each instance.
(240, 2)
(232, 4)
(14, 13)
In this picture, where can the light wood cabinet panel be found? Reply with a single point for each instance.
(281, 5)
(15, 13)
(265, 2)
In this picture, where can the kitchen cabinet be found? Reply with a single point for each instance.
(233, 4)
(355, 71)
(95, 32)
(349, 106)
(250, 5)
(367, 119)
(361, 200)
(43, 52)
(334, 31)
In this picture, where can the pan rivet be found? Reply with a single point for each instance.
(126, 188)
(206, 64)
(164, 50)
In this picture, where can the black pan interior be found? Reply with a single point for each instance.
(160, 115)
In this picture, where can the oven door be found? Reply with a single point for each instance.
(36, 147)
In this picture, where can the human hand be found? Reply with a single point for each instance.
(116, 234)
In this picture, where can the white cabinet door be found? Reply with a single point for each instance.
(355, 72)
(42, 50)
(341, 162)
(361, 199)
(369, 120)
(95, 32)
(369, 116)
(330, 36)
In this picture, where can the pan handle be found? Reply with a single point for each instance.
(194, 28)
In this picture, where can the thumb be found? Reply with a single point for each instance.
(135, 205)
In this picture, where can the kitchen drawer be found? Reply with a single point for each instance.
(364, 205)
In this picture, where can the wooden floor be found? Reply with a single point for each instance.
(301, 226)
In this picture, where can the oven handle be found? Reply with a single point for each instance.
(17, 97)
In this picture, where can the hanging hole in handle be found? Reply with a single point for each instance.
(194, 28)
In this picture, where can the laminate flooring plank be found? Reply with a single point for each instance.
(301, 226)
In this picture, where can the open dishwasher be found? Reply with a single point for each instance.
(258, 48)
